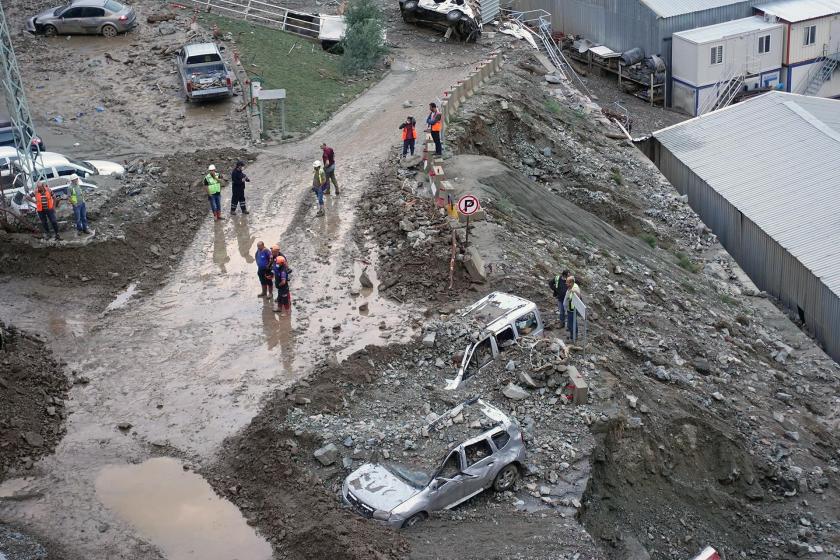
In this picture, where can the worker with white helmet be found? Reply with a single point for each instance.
(76, 195)
(214, 191)
(319, 185)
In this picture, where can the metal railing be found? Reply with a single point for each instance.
(729, 85)
(265, 13)
(819, 73)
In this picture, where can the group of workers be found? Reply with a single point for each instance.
(434, 125)
(274, 272)
(46, 202)
(563, 286)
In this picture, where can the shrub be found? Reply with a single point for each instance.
(649, 238)
(363, 45)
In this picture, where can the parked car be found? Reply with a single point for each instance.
(458, 15)
(22, 205)
(84, 17)
(58, 165)
(8, 135)
(502, 318)
(204, 73)
(401, 496)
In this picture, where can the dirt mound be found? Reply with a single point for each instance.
(141, 232)
(33, 388)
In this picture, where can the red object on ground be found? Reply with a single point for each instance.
(707, 553)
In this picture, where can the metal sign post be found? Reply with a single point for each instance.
(580, 310)
(467, 206)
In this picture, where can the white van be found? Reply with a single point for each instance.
(503, 319)
(56, 165)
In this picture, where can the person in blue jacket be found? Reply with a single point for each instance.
(263, 258)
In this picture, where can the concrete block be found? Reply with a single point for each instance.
(475, 265)
(429, 339)
(580, 390)
(479, 216)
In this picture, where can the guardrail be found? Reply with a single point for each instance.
(265, 13)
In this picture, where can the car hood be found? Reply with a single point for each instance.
(107, 167)
(45, 14)
(379, 488)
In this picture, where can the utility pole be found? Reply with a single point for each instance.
(16, 103)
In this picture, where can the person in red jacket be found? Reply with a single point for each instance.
(45, 206)
(328, 157)
(409, 135)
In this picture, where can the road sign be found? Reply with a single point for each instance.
(468, 205)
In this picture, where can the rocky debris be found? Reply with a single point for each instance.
(514, 392)
(33, 389)
(327, 455)
(364, 280)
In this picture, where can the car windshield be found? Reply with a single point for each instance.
(112, 6)
(83, 164)
(417, 479)
(58, 11)
(204, 58)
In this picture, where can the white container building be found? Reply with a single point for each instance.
(711, 64)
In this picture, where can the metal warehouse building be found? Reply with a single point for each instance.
(764, 175)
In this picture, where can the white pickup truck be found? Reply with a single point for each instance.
(204, 73)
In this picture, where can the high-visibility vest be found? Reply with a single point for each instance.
(76, 194)
(213, 184)
(413, 133)
(569, 293)
(436, 126)
(44, 198)
(319, 177)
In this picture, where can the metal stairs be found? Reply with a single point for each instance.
(820, 75)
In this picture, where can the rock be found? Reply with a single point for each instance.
(784, 397)
(717, 396)
(782, 356)
(167, 29)
(411, 162)
(346, 462)
(407, 225)
(440, 363)
(33, 439)
(124, 426)
(547, 152)
(715, 270)
(702, 366)
(515, 392)
(475, 265)
(510, 366)
(429, 339)
(364, 280)
(661, 374)
(527, 380)
(416, 235)
(553, 79)
(327, 455)
(459, 419)
(50, 411)
(617, 269)
(364, 307)
(793, 436)
(632, 400)
(348, 441)
(406, 104)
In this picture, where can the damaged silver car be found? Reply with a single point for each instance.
(402, 496)
(456, 17)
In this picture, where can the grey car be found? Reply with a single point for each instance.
(84, 17)
(401, 497)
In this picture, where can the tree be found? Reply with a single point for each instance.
(364, 40)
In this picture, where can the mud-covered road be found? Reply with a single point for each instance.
(177, 371)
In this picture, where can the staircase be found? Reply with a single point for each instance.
(727, 89)
(821, 73)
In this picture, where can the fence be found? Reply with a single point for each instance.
(265, 13)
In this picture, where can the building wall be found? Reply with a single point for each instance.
(767, 263)
(828, 37)
(795, 77)
(684, 98)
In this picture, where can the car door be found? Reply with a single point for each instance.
(70, 21)
(482, 354)
(480, 462)
(91, 20)
(450, 482)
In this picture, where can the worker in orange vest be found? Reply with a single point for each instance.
(435, 122)
(409, 135)
(45, 206)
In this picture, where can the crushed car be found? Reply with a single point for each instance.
(204, 73)
(53, 164)
(456, 17)
(499, 319)
(401, 496)
(84, 17)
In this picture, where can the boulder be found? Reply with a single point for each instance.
(327, 455)
(515, 392)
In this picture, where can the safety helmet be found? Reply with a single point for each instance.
(211, 167)
(316, 164)
(280, 260)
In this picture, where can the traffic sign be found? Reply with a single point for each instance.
(468, 205)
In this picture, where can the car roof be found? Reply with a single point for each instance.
(93, 3)
(495, 310)
(201, 48)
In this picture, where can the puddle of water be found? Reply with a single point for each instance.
(122, 298)
(179, 512)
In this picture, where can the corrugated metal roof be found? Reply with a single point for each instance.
(800, 10)
(720, 31)
(670, 8)
(775, 159)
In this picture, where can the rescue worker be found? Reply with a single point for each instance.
(319, 185)
(263, 259)
(328, 156)
(237, 183)
(281, 281)
(77, 199)
(435, 122)
(45, 206)
(571, 316)
(409, 135)
(558, 288)
(214, 191)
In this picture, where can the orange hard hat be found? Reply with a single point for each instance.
(281, 260)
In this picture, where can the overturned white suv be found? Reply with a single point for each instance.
(459, 16)
(402, 496)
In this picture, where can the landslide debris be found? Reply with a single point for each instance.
(33, 391)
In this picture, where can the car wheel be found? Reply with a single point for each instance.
(506, 478)
(410, 5)
(414, 520)
(109, 31)
(454, 16)
(50, 31)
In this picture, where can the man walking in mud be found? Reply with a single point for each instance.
(263, 259)
(319, 185)
(237, 182)
(214, 191)
(435, 125)
(328, 157)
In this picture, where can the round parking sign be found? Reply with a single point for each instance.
(468, 204)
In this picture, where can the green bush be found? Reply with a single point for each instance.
(649, 238)
(686, 263)
(363, 44)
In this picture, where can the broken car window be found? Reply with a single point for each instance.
(526, 324)
(505, 338)
(452, 467)
(112, 6)
(482, 355)
(477, 451)
(501, 439)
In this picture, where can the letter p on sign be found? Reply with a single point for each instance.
(468, 204)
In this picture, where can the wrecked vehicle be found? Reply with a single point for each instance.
(455, 17)
(401, 497)
(502, 319)
(84, 17)
(20, 204)
(57, 165)
(204, 74)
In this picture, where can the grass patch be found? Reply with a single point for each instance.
(686, 263)
(315, 87)
(727, 299)
(648, 238)
(552, 106)
(616, 176)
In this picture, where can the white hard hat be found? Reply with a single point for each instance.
(73, 177)
(211, 167)
(316, 163)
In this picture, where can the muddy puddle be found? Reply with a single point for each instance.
(179, 512)
(122, 298)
